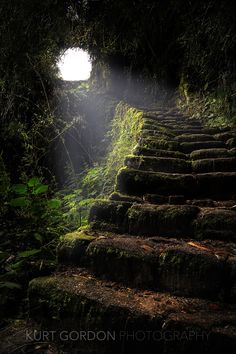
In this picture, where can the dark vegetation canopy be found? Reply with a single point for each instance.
(52, 136)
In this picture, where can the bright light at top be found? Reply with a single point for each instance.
(75, 65)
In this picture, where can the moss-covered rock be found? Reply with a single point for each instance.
(217, 185)
(137, 182)
(163, 144)
(125, 198)
(189, 147)
(110, 215)
(209, 153)
(184, 268)
(158, 153)
(231, 143)
(158, 164)
(194, 137)
(214, 165)
(76, 304)
(224, 136)
(165, 220)
(72, 248)
(216, 224)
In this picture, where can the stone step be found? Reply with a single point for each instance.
(224, 136)
(214, 165)
(188, 147)
(217, 185)
(184, 268)
(196, 130)
(159, 144)
(125, 320)
(194, 138)
(159, 153)
(159, 164)
(154, 129)
(175, 165)
(165, 143)
(156, 134)
(168, 221)
(209, 153)
(231, 143)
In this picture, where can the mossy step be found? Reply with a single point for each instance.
(75, 303)
(231, 143)
(182, 126)
(159, 153)
(159, 164)
(155, 134)
(216, 223)
(225, 136)
(188, 147)
(196, 130)
(182, 221)
(209, 153)
(152, 129)
(72, 247)
(164, 220)
(217, 185)
(212, 203)
(162, 144)
(125, 198)
(194, 137)
(214, 165)
(186, 268)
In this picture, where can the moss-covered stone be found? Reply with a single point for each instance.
(165, 220)
(80, 303)
(158, 164)
(164, 265)
(136, 182)
(217, 185)
(232, 152)
(189, 147)
(214, 165)
(163, 144)
(125, 198)
(224, 136)
(109, 215)
(194, 137)
(72, 249)
(216, 224)
(231, 143)
(208, 154)
(191, 272)
(159, 153)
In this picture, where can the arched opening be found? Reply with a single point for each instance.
(75, 65)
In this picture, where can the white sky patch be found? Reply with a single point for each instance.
(75, 65)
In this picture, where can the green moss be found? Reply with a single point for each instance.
(82, 235)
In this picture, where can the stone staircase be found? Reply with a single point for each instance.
(156, 273)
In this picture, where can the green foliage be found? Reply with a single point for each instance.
(215, 109)
(31, 223)
(123, 136)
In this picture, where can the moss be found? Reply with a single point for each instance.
(208, 153)
(144, 182)
(158, 164)
(194, 137)
(231, 143)
(81, 235)
(216, 224)
(214, 165)
(188, 147)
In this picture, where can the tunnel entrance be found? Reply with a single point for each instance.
(74, 65)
